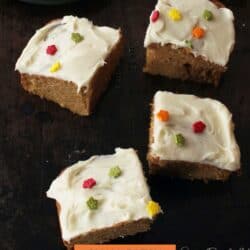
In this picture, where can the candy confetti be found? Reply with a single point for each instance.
(153, 208)
(89, 183)
(198, 32)
(199, 126)
(163, 115)
(208, 15)
(76, 37)
(179, 140)
(51, 50)
(92, 203)
(115, 172)
(174, 14)
(155, 15)
(189, 44)
(55, 67)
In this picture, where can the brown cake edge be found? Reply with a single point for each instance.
(109, 233)
(183, 169)
(180, 63)
(65, 93)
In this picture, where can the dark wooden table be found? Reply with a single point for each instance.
(38, 139)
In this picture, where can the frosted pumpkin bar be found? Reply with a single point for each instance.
(103, 198)
(192, 138)
(70, 61)
(189, 40)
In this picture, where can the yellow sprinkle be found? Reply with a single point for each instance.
(55, 67)
(174, 14)
(153, 208)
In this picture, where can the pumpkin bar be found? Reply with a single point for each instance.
(189, 40)
(70, 62)
(192, 138)
(103, 198)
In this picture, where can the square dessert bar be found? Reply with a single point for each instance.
(192, 138)
(70, 61)
(189, 40)
(103, 198)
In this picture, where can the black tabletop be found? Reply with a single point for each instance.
(38, 138)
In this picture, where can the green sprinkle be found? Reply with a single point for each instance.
(92, 203)
(189, 44)
(179, 140)
(115, 172)
(208, 15)
(76, 37)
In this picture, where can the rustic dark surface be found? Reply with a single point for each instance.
(38, 138)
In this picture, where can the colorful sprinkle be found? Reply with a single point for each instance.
(92, 203)
(189, 44)
(89, 183)
(174, 14)
(76, 37)
(199, 126)
(163, 115)
(208, 15)
(153, 208)
(115, 172)
(51, 50)
(155, 15)
(55, 67)
(179, 140)
(198, 32)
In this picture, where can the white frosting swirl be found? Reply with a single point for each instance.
(219, 38)
(216, 146)
(79, 61)
(120, 199)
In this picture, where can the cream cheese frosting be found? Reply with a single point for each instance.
(120, 199)
(78, 61)
(216, 145)
(219, 38)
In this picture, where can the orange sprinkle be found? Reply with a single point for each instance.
(163, 115)
(198, 32)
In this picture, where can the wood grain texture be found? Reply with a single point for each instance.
(38, 138)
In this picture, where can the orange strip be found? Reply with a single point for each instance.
(125, 247)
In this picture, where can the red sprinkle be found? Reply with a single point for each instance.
(51, 50)
(89, 183)
(199, 126)
(155, 15)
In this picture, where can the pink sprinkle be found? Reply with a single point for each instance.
(155, 15)
(51, 50)
(89, 183)
(199, 126)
